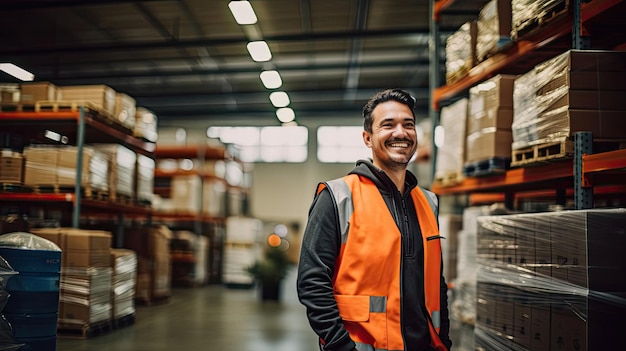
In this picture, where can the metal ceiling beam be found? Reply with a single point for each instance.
(111, 75)
(8, 5)
(183, 43)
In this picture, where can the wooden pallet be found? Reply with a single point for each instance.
(124, 321)
(449, 178)
(84, 331)
(86, 191)
(67, 106)
(485, 167)
(121, 199)
(546, 152)
(11, 187)
(16, 107)
(557, 9)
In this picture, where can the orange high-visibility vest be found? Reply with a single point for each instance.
(367, 272)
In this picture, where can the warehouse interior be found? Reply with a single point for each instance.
(149, 146)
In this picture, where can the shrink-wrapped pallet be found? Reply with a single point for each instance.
(575, 91)
(460, 52)
(451, 135)
(551, 280)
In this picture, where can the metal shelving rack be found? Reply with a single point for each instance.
(79, 125)
(586, 170)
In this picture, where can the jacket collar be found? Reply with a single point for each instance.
(367, 169)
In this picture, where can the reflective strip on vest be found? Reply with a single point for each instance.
(432, 201)
(343, 199)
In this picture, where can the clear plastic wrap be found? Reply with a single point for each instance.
(451, 154)
(85, 295)
(574, 91)
(553, 276)
(526, 12)
(460, 52)
(22, 240)
(493, 28)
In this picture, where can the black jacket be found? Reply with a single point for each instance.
(320, 248)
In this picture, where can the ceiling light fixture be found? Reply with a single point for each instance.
(285, 114)
(259, 51)
(243, 12)
(16, 72)
(279, 99)
(271, 79)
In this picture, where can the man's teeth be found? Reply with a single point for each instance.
(399, 144)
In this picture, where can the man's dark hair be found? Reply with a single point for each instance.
(398, 95)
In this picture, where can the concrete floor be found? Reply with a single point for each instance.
(215, 317)
(210, 318)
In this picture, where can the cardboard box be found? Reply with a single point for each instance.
(94, 172)
(590, 61)
(87, 258)
(145, 124)
(121, 166)
(38, 91)
(522, 325)
(493, 93)
(125, 110)
(79, 239)
(451, 155)
(540, 328)
(488, 144)
(145, 178)
(100, 95)
(11, 167)
(52, 234)
(186, 192)
(608, 100)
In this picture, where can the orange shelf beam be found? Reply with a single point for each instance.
(74, 117)
(191, 151)
(514, 178)
(605, 161)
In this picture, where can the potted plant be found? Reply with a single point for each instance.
(269, 272)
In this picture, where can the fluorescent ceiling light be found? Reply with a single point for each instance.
(243, 12)
(16, 72)
(285, 114)
(279, 99)
(271, 79)
(259, 51)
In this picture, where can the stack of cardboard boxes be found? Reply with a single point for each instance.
(551, 281)
(489, 120)
(450, 140)
(152, 245)
(11, 167)
(118, 107)
(123, 282)
(85, 291)
(56, 166)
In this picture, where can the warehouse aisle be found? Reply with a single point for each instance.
(211, 318)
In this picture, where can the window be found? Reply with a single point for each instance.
(265, 144)
(341, 144)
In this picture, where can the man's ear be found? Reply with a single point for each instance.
(367, 139)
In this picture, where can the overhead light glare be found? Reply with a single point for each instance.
(17, 72)
(271, 79)
(243, 12)
(285, 114)
(259, 51)
(279, 99)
